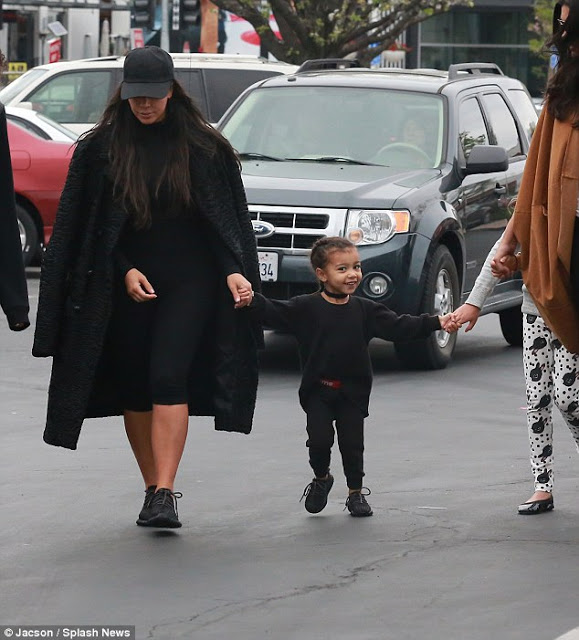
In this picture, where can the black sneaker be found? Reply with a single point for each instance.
(164, 510)
(146, 510)
(316, 494)
(357, 505)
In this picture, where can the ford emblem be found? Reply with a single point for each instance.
(262, 229)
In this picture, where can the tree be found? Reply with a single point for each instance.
(540, 30)
(334, 28)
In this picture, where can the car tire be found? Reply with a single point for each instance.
(28, 235)
(441, 295)
(512, 326)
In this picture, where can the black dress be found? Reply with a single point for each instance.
(155, 342)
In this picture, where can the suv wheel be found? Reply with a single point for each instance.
(28, 235)
(512, 326)
(441, 293)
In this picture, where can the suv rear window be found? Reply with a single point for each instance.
(76, 97)
(191, 81)
(525, 109)
(502, 123)
(224, 85)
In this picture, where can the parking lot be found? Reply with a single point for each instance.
(444, 557)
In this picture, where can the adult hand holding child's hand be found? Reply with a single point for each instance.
(467, 313)
(449, 323)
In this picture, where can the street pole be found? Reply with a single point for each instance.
(165, 25)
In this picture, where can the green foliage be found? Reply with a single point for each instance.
(334, 28)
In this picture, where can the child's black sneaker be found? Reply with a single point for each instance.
(316, 493)
(163, 510)
(146, 510)
(357, 505)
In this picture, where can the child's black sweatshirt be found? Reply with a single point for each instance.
(333, 338)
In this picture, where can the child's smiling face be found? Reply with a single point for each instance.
(342, 273)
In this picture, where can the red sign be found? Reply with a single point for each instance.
(137, 38)
(54, 49)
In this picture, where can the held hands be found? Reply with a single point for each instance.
(138, 287)
(505, 262)
(467, 313)
(449, 323)
(240, 289)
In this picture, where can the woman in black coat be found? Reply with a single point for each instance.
(151, 243)
(13, 291)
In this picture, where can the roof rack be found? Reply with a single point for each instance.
(322, 64)
(456, 71)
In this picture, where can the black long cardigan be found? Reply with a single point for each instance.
(75, 301)
(13, 292)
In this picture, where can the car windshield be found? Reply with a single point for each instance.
(18, 85)
(339, 125)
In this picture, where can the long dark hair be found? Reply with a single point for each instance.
(186, 128)
(563, 89)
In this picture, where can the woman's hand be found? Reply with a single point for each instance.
(138, 287)
(467, 313)
(241, 290)
(505, 263)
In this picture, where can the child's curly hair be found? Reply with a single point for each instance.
(324, 246)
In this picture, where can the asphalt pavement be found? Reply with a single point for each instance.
(445, 555)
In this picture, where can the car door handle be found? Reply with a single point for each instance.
(500, 191)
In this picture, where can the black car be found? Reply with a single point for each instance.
(418, 167)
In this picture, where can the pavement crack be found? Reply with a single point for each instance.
(182, 628)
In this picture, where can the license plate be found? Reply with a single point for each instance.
(268, 266)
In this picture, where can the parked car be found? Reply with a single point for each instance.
(75, 93)
(39, 124)
(418, 168)
(39, 165)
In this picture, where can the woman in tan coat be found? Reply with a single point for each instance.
(545, 227)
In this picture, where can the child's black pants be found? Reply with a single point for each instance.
(325, 406)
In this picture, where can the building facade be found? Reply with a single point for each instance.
(492, 31)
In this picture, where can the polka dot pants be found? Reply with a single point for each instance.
(552, 377)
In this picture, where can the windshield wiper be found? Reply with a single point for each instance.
(252, 155)
(337, 159)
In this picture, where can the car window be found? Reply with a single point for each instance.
(472, 127)
(18, 85)
(525, 110)
(400, 129)
(28, 126)
(225, 85)
(76, 97)
(502, 123)
(191, 81)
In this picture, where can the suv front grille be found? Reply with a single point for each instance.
(297, 228)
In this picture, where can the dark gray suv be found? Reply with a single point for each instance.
(419, 168)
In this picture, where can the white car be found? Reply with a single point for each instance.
(75, 93)
(39, 124)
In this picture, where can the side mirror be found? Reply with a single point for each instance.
(485, 158)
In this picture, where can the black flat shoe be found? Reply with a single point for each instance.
(536, 506)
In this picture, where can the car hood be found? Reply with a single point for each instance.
(334, 185)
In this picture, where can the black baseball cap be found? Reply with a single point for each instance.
(148, 73)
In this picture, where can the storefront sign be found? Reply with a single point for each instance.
(16, 69)
(137, 38)
(54, 49)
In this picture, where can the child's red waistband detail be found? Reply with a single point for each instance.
(334, 384)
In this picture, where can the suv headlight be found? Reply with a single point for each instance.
(374, 226)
